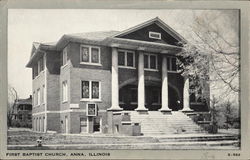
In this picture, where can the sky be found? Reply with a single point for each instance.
(26, 26)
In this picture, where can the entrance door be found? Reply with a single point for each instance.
(66, 125)
(152, 98)
(97, 125)
(83, 125)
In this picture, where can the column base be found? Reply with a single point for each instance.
(117, 108)
(165, 111)
(187, 110)
(142, 111)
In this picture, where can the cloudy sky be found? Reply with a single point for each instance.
(41, 25)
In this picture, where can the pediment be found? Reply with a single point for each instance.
(152, 31)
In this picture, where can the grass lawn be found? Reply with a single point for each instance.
(25, 139)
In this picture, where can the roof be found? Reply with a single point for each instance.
(25, 101)
(106, 38)
(100, 35)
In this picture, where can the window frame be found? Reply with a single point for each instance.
(149, 64)
(157, 33)
(171, 65)
(64, 91)
(126, 59)
(90, 55)
(90, 91)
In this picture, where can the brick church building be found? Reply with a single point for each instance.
(124, 82)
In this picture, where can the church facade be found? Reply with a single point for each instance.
(95, 81)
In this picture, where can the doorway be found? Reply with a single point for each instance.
(97, 124)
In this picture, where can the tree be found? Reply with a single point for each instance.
(213, 52)
(12, 100)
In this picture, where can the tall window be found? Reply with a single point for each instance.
(150, 61)
(38, 97)
(171, 64)
(64, 91)
(90, 90)
(126, 58)
(90, 54)
(65, 56)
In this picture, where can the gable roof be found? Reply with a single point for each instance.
(104, 38)
(158, 22)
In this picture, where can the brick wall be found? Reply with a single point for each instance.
(79, 74)
(38, 83)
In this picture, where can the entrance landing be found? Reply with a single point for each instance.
(157, 123)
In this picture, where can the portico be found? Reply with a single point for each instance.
(139, 82)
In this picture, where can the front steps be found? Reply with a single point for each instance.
(157, 123)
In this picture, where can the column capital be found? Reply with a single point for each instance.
(141, 48)
(114, 45)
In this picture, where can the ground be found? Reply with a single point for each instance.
(20, 138)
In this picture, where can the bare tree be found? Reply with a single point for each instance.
(12, 100)
(214, 51)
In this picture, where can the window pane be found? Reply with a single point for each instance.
(95, 55)
(121, 58)
(173, 64)
(146, 61)
(64, 56)
(130, 59)
(85, 54)
(153, 62)
(168, 63)
(85, 89)
(65, 91)
(95, 90)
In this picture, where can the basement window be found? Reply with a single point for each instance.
(154, 35)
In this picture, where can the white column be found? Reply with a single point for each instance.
(186, 106)
(164, 87)
(115, 83)
(141, 83)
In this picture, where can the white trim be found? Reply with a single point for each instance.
(74, 105)
(126, 67)
(154, 70)
(90, 55)
(89, 63)
(157, 33)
